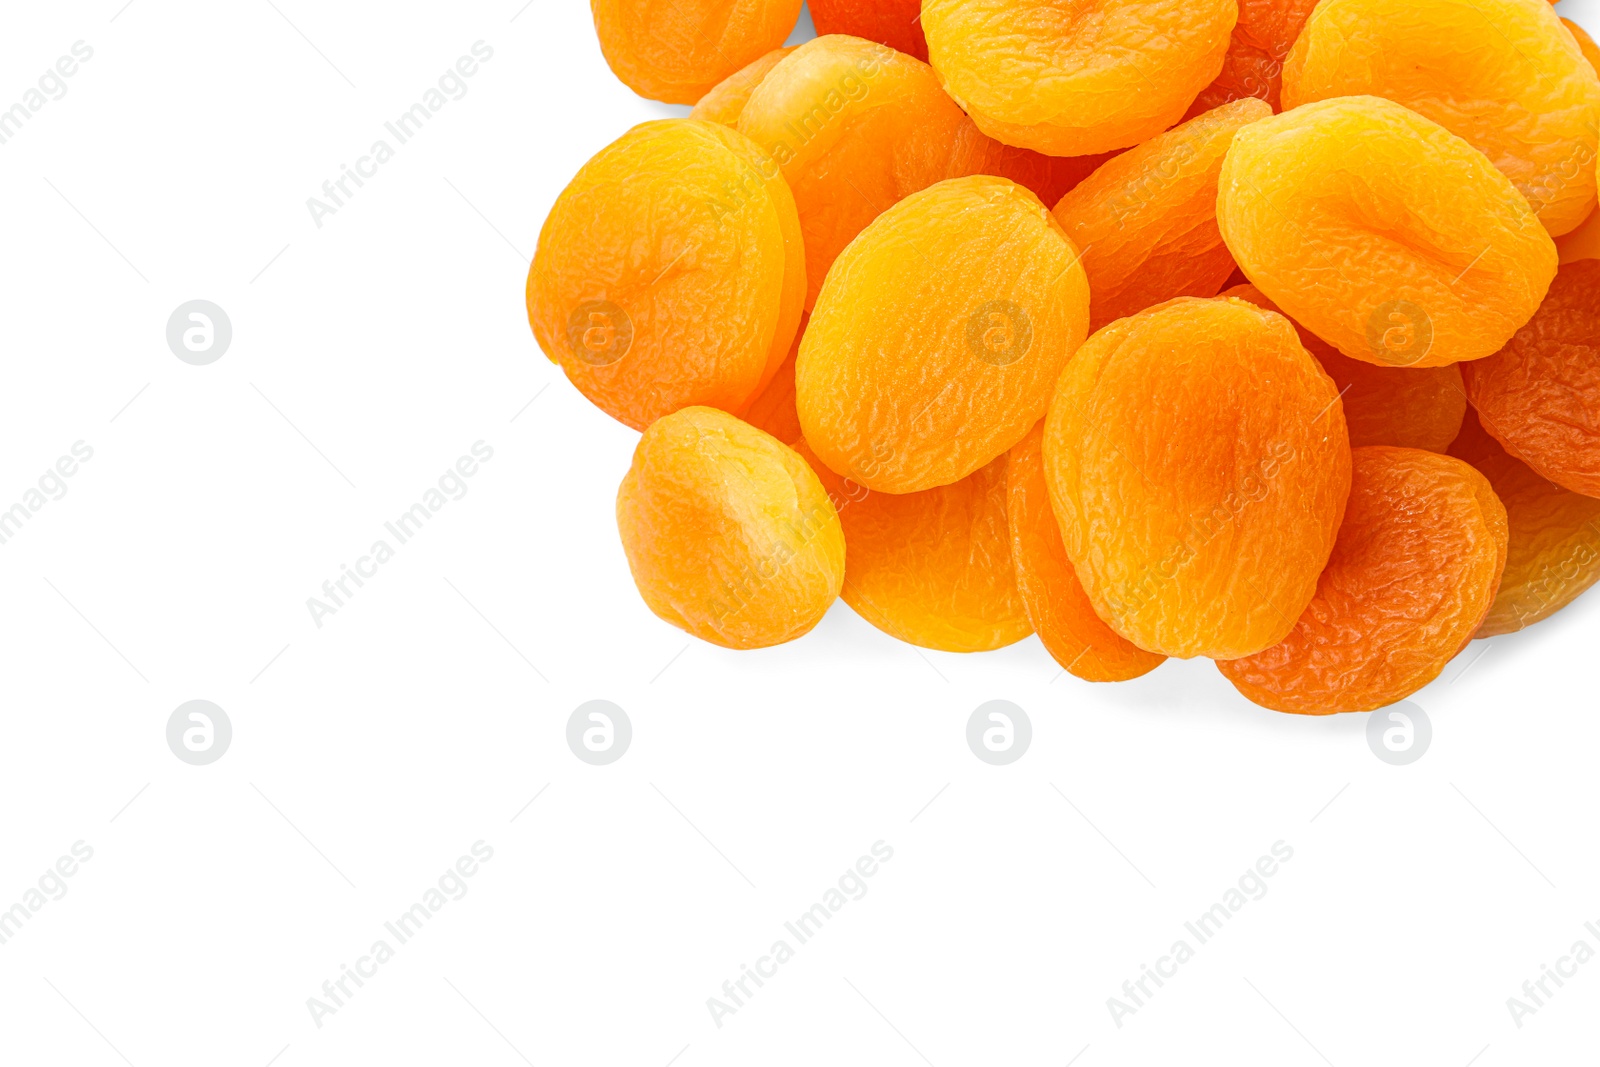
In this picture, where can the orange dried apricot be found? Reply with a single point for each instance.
(1261, 40)
(1058, 608)
(1147, 220)
(677, 50)
(728, 532)
(675, 217)
(1539, 396)
(939, 334)
(896, 23)
(725, 101)
(1411, 577)
(1503, 74)
(773, 411)
(1077, 77)
(1410, 407)
(932, 568)
(1047, 177)
(1554, 552)
(1582, 243)
(1382, 232)
(1586, 44)
(1198, 464)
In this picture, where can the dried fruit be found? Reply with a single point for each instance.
(1147, 220)
(1058, 608)
(1554, 552)
(1503, 74)
(939, 334)
(774, 411)
(729, 534)
(1582, 243)
(932, 568)
(1198, 464)
(1586, 44)
(675, 217)
(677, 50)
(1047, 177)
(896, 23)
(1412, 575)
(725, 101)
(1410, 407)
(1077, 78)
(1254, 64)
(1382, 232)
(1540, 395)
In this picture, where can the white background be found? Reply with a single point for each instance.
(370, 753)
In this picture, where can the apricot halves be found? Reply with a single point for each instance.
(676, 50)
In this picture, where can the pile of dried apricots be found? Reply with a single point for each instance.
(1260, 330)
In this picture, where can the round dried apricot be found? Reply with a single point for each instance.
(896, 23)
(728, 532)
(932, 568)
(1058, 608)
(726, 100)
(677, 50)
(1382, 232)
(1074, 78)
(1147, 220)
(1198, 464)
(675, 217)
(1540, 395)
(939, 334)
(1412, 575)
(1503, 74)
(1261, 40)
(1554, 552)
(1410, 407)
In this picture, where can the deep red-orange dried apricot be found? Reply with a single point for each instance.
(1539, 396)
(1411, 578)
(1582, 243)
(1146, 221)
(896, 23)
(1261, 40)
(1198, 464)
(677, 50)
(725, 101)
(1058, 608)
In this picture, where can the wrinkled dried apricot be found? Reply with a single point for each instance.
(1540, 395)
(939, 334)
(1411, 577)
(896, 23)
(1503, 74)
(677, 50)
(725, 101)
(1554, 552)
(932, 568)
(1198, 464)
(1071, 79)
(1410, 407)
(1586, 44)
(1382, 232)
(728, 532)
(1147, 220)
(1047, 177)
(675, 217)
(1254, 64)
(1058, 608)
(773, 410)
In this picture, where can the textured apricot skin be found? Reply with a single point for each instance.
(1503, 74)
(1072, 79)
(725, 101)
(1586, 44)
(1198, 465)
(1058, 608)
(1554, 551)
(677, 50)
(773, 411)
(1261, 40)
(1411, 578)
(1147, 220)
(1409, 407)
(674, 217)
(1582, 243)
(939, 335)
(1047, 177)
(1540, 395)
(931, 568)
(728, 532)
(896, 23)
(1382, 232)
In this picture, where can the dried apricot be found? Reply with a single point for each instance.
(677, 50)
(728, 532)
(1047, 177)
(932, 568)
(1586, 44)
(725, 101)
(1539, 396)
(1554, 553)
(1410, 407)
(1075, 78)
(1147, 220)
(1198, 464)
(1261, 40)
(939, 334)
(896, 23)
(1503, 74)
(675, 217)
(774, 411)
(1412, 575)
(1382, 232)
(1582, 243)
(1058, 608)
